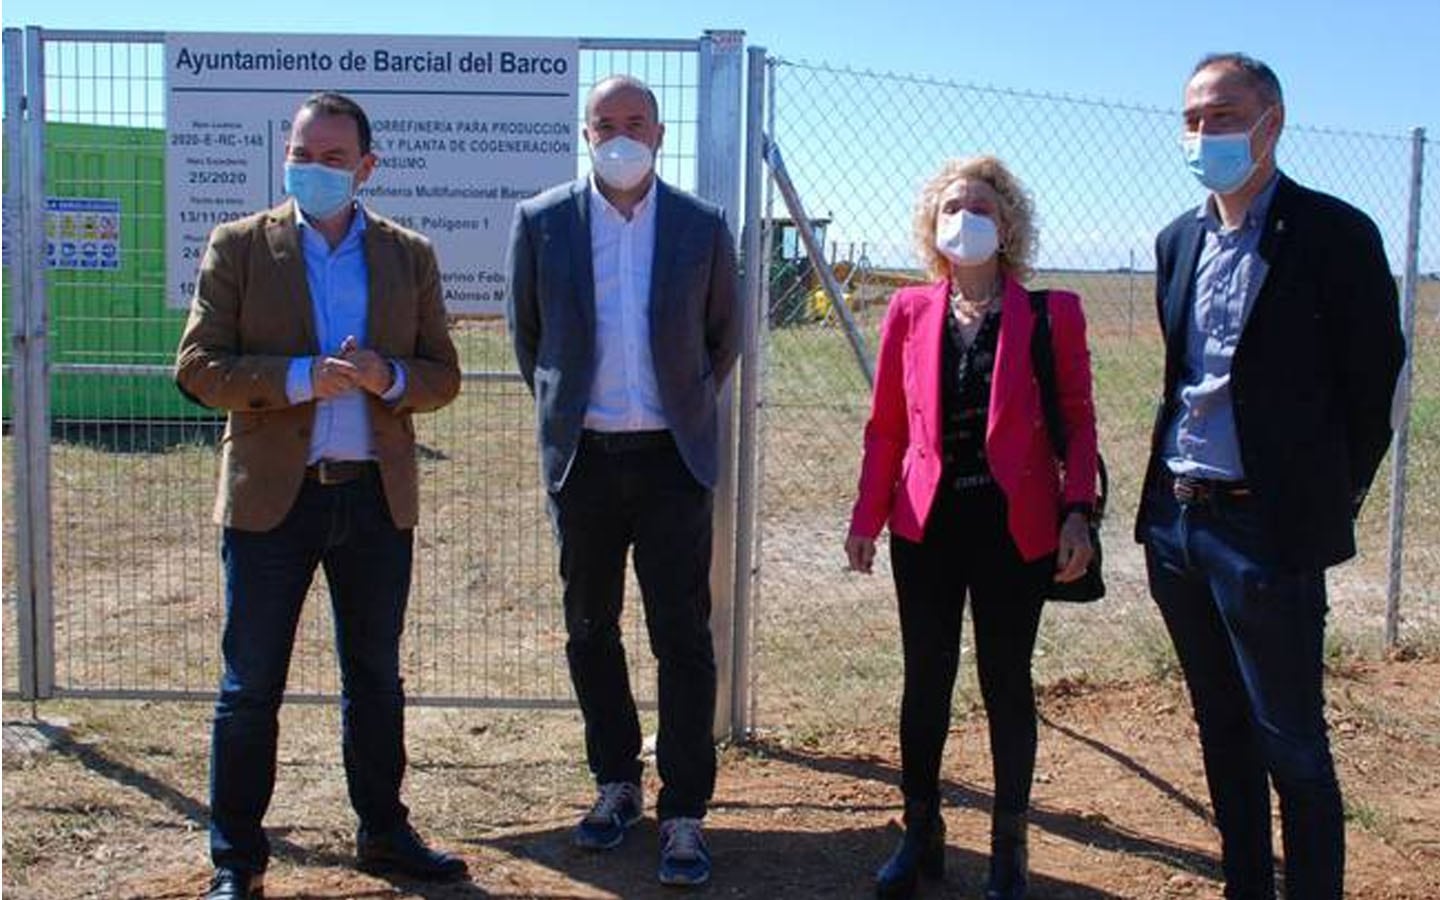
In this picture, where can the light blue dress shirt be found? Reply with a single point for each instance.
(1202, 441)
(339, 281)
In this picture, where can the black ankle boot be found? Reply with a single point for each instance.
(1009, 858)
(921, 852)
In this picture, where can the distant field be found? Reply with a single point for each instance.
(824, 631)
(137, 586)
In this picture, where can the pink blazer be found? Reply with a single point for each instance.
(901, 470)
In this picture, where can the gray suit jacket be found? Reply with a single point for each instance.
(694, 326)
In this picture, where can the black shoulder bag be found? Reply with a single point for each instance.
(1091, 585)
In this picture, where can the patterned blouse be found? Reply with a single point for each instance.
(965, 378)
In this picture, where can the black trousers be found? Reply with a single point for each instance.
(615, 499)
(967, 549)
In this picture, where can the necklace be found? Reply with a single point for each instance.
(966, 309)
(964, 305)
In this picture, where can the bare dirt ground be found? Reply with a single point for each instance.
(107, 800)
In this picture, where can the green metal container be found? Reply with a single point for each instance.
(110, 316)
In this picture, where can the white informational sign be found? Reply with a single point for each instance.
(462, 128)
(82, 233)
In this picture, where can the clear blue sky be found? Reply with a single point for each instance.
(1344, 68)
(1344, 65)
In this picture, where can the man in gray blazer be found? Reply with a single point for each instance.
(622, 311)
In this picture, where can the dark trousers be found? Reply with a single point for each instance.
(347, 529)
(968, 549)
(647, 499)
(1249, 633)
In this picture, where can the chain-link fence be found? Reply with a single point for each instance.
(137, 593)
(1106, 177)
(136, 582)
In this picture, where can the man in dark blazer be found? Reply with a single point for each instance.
(622, 309)
(318, 326)
(1282, 349)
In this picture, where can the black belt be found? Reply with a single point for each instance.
(1194, 491)
(341, 471)
(627, 441)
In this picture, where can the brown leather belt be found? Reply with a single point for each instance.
(340, 471)
(627, 441)
(1195, 491)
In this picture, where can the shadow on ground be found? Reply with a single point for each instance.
(755, 864)
(1086, 831)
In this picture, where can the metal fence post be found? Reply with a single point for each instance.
(1400, 414)
(38, 341)
(18, 260)
(754, 306)
(25, 120)
(717, 179)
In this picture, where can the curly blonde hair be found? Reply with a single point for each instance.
(1016, 216)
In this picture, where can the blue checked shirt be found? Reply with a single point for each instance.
(1202, 441)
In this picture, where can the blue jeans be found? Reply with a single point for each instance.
(1249, 632)
(346, 529)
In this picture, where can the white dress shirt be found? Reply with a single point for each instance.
(625, 395)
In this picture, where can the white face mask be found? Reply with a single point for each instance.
(966, 238)
(622, 162)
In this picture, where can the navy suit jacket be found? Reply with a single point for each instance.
(694, 325)
(1313, 375)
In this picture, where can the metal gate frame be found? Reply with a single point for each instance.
(717, 179)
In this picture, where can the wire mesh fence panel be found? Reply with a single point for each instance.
(1420, 564)
(1105, 178)
(485, 619)
(1374, 173)
(138, 588)
(134, 559)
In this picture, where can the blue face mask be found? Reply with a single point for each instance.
(320, 190)
(1221, 162)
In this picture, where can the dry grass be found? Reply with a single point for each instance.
(138, 607)
(822, 632)
(137, 583)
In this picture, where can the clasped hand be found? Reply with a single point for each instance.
(353, 367)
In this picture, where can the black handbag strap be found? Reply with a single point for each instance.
(1042, 358)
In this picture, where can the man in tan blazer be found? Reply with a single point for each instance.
(318, 326)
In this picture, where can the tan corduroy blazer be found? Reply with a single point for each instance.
(251, 314)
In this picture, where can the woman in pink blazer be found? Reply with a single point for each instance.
(959, 464)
